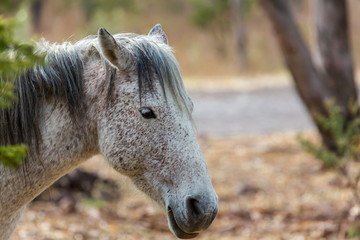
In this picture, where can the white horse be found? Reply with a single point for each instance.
(121, 96)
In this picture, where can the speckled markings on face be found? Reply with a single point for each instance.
(159, 154)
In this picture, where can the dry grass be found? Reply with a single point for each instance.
(267, 186)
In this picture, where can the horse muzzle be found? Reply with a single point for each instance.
(193, 216)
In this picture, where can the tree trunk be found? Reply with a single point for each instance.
(334, 50)
(334, 80)
(56, 20)
(239, 31)
(36, 9)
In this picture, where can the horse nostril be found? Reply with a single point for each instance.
(193, 206)
(200, 211)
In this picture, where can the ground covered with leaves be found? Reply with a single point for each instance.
(268, 188)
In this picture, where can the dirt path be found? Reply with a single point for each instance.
(260, 111)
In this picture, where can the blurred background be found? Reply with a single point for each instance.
(212, 38)
(247, 112)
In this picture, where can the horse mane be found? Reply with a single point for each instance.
(61, 79)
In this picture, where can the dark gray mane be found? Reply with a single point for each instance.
(61, 79)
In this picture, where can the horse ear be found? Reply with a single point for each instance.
(115, 53)
(159, 33)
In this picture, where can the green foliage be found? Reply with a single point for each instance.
(208, 12)
(204, 15)
(10, 5)
(6, 94)
(249, 6)
(328, 158)
(354, 231)
(15, 58)
(13, 155)
(346, 134)
(91, 6)
(347, 140)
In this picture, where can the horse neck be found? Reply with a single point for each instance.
(66, 142)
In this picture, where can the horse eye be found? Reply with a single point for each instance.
(147, 113)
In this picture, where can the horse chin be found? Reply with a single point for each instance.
(174, 227)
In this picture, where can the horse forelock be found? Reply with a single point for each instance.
(155, 63)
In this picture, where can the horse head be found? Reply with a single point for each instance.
(146, 132)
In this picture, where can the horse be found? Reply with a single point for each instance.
(120, 96)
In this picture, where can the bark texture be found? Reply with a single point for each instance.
(333, 77)
(334, 49)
